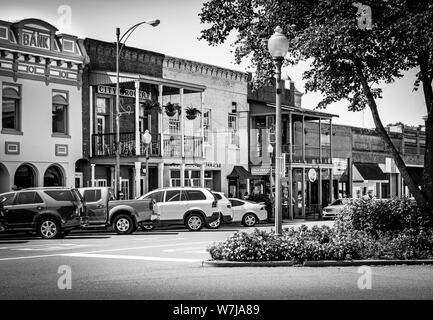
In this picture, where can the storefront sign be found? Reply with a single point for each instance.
(213, 164)
(36, 40)
(312, 175)
(260, 171)
(126, 92)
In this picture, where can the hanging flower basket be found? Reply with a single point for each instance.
(150, 105)
(191, 113)
(172, 108)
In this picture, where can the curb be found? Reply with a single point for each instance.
(222, 263)
(321, 263)
(347, 263)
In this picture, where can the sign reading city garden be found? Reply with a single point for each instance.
(36, 40)
(130, 93)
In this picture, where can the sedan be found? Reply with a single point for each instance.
(247, 212)
(331, 211)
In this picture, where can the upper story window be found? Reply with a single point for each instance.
(233, 129)
(60, 112)
(11, 106)
(206, 125)
(174, 124)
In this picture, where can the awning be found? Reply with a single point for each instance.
(416, 174)
(368, 172)
(241, 173)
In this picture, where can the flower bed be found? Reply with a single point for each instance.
(344, 241)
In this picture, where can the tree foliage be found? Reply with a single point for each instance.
(349, 63)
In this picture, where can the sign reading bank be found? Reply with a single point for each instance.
(36, 39)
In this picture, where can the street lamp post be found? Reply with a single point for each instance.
(278, 47)
(147, 139)
(153, 23)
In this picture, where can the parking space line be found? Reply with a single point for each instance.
(127, 257)
(29, 257)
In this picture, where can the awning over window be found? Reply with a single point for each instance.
(241, 173)
(368, 172)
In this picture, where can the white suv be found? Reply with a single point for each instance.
(193, 207)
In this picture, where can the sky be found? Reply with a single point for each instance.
(177, 35)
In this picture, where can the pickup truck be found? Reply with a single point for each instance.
(103, 210)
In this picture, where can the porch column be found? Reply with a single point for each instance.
(320, 191)
(290, 139)
(92, 174)
(161, 175)
(202, 169)
(248, 187)
(137, 175)
(291, 193)
(182, 174)
(320, 140)
(91, 116)
(182, 126)
(137, 119)
(303, 140)
(160, 120)
(331, 186)
(303, 184)
(201, 124)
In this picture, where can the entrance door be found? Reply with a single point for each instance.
(100, 130)
(297, 193)
(124, 185)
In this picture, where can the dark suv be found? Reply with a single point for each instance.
(52, 211)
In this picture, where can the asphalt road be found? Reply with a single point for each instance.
(166, 264)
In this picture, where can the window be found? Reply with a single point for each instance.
(7, 199)
(60, 112)
(28, 198)
(61, 195)
(174, 195)
(11, 101)
(206, 125)
(233, 130)
(236, 203)
(192, 178)
(195, 195)
(92, 195)
(174, 124)
(157, 196)
(218, 196)
(175, 178)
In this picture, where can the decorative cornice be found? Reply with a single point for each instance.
(204, 69)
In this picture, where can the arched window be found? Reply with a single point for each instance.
(25, 177)
(11, 107)
(53, 177)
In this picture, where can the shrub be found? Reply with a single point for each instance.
(375, 216)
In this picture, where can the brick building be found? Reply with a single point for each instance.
(184, 151)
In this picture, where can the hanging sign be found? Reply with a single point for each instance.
(312, 175)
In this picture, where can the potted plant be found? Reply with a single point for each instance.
(152, 105)
(171, 108)
(191, 113)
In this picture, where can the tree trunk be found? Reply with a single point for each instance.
(421, 200)
(428, 156)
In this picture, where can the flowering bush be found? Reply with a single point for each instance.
(323, 243)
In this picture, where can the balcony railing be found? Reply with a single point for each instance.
(173, 146)
(104, 145)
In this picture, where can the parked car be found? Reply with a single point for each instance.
(225, 208)
(332, 211)
(193, 207)
(103, 210)
(51, 212)
(247, 212)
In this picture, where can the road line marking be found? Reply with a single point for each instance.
(181, 249)
(147, 247)
(159, 239)
(197, 251)
(125, 257)
(29, 257)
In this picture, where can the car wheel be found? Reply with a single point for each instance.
(49, 228)
(214, 225)
(123, 224)
(194, 222)
(249, 220)
(147, 227)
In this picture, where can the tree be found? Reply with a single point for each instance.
(349, 61)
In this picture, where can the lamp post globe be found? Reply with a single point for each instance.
(278, 47)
